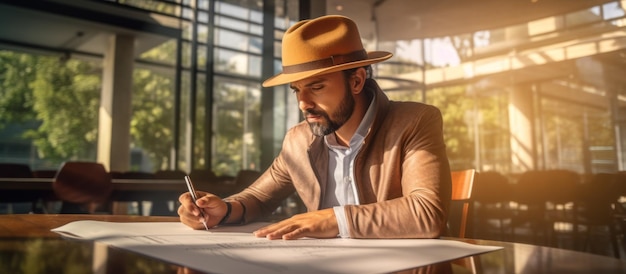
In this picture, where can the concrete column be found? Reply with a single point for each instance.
(115, 103)
(521, 123)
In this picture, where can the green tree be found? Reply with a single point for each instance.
(151, 126)
(454, 104)
(17, 71)
(62, 100)
(236, 105)
(66, 99)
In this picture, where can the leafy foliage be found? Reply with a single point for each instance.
(153, 111)
(17, 71)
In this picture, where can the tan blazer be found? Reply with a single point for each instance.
(402, 174)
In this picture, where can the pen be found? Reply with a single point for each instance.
(192, 191)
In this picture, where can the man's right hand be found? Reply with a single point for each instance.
(213, 207)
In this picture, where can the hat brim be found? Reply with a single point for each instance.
(284, 78)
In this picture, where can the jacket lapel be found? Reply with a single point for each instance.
(318, 157)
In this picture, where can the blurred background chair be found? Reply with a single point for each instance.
(202, 176)
(620, 206)
(492, 195)
(596, 210)
(14, 170)
(163, 206)
(22, 201)
(83, 188)
(45, 173)
(127, 202)
(462, 184)
(546, 206)
(18, 201)
(170, 174)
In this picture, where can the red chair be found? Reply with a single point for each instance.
(82, 187)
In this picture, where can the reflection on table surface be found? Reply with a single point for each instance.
(28, 246)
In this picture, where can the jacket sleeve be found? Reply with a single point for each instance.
(420, 210)
(263, 196)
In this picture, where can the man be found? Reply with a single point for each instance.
(364, 166)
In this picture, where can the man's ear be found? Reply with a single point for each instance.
(357, 81)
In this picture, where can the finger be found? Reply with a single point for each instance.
(185, 213)
(208, 200)
(295, 234)
(277, 231)
(191, 221)
(188, 205)
(262, 232)
(190, 215)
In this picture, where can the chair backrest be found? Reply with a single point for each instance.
(170, 174)
(133, 175)
(13, 170)
(202, 175)
(536, 188)
(462, 185)
(599, 198)
(82, 182)
(45, 173)
(491, 187)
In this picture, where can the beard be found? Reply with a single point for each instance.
(330, 124)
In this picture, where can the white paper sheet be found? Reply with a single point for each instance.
(235, 250)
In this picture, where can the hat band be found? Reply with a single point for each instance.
(327, 62)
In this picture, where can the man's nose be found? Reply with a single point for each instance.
(304, 102)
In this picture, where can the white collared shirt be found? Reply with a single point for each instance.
(341, 189)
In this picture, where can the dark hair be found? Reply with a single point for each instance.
(369, 82)
(368, 71)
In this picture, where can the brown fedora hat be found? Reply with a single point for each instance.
(322, 45)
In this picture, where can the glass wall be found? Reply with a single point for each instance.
(196, 99)
(561, 72)
(48, 109)
(197, 102)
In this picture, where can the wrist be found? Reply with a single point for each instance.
(229, 209)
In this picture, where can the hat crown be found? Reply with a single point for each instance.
(320, 38)
(323, 45)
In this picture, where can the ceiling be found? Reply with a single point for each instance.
(410, 19)
(76, 27)
(67, 26)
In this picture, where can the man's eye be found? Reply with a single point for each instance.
(317, 87)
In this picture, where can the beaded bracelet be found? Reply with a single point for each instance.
(229, 208)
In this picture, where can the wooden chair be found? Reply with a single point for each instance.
(462, 184)
(82, 187)
(462, 187)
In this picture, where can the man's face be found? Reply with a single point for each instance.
(325, 101)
